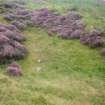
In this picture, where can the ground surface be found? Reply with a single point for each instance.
(58, 72)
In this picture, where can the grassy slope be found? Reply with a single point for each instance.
(70, 73)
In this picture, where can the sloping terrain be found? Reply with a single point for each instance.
(56, 71)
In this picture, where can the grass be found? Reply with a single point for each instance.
(69, 74)
(92, 10)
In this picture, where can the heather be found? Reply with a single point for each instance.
(11, 46)
(60, 52)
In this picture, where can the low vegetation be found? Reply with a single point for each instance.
(58, 71)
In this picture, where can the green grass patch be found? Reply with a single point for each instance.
(69, 74)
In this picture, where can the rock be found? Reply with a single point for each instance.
(14, 69)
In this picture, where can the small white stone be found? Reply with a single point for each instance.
(39, 61)
(38, 69)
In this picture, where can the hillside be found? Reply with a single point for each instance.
(58, 71)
